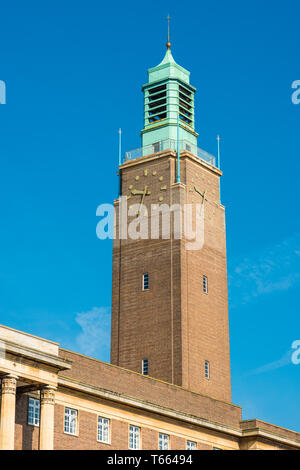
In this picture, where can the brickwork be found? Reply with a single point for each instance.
(86, 437)
(145, 388)
(86, 371)
(26, 435)
(206, 326)
(174, 324)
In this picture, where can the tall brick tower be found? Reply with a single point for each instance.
(169, 303)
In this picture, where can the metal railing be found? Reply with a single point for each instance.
(170, 144)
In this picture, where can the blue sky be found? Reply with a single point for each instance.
(74, 72)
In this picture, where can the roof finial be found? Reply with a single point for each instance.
(168, 43)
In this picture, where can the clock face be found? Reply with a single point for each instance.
(202, 189)
(149, 182)
(140, 186)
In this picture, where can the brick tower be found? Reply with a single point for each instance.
(169, 303)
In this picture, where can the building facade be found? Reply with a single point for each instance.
(168, 386)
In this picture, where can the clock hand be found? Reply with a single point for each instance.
(142, 201)
(144, 194)
(201, 194)
(137, 192)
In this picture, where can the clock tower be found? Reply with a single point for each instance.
(169, 301)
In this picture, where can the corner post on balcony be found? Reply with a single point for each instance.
(120, 159)
(178, 151)
(219, 160)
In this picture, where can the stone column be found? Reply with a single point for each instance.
(47, 418)
(8, 412)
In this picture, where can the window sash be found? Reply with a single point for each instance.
(103, 429)
(70, 421)
(145, 367)
(207, 369)
(191, 445)
(205, 285)
(145, 281)
(134, 437)
(163, 441)
(34, 411)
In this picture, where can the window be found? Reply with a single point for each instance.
(103, 429)
(145, 366)
(157, 96)
(134, 437)
(156, 104)
(157, 89)
(207, 370)
(205, 285)
(70, 421)
(163, 441)
(156, 147)
(145, 281)
(157, 118)
(34, 412)
(158, 100)
(191, 445)
(155, 111)
(185, 91)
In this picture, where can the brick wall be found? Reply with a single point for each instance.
(145, 388)
(26, 435)
(174, 324)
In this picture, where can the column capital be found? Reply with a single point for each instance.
(9, 384)
(48, 395)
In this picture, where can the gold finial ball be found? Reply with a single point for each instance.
(168, 45)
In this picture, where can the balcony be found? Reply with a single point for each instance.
(170, 144)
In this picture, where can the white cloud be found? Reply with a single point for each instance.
(274, 269)
(94, 339)
(285, 360)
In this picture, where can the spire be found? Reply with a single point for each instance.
(167, 95)
(168, 42)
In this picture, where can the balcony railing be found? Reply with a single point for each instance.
(170, 144)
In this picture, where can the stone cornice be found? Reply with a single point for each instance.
(262, 433)
(144, 405)
(37, 356)
(75, 385)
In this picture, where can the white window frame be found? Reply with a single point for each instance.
(191, 445)
(72, 415)
(34, 405)
(145, 366)
(145, 281)
(163, 441)
(104, 424)
(134, 437)
(205, 284)
(207, 369)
